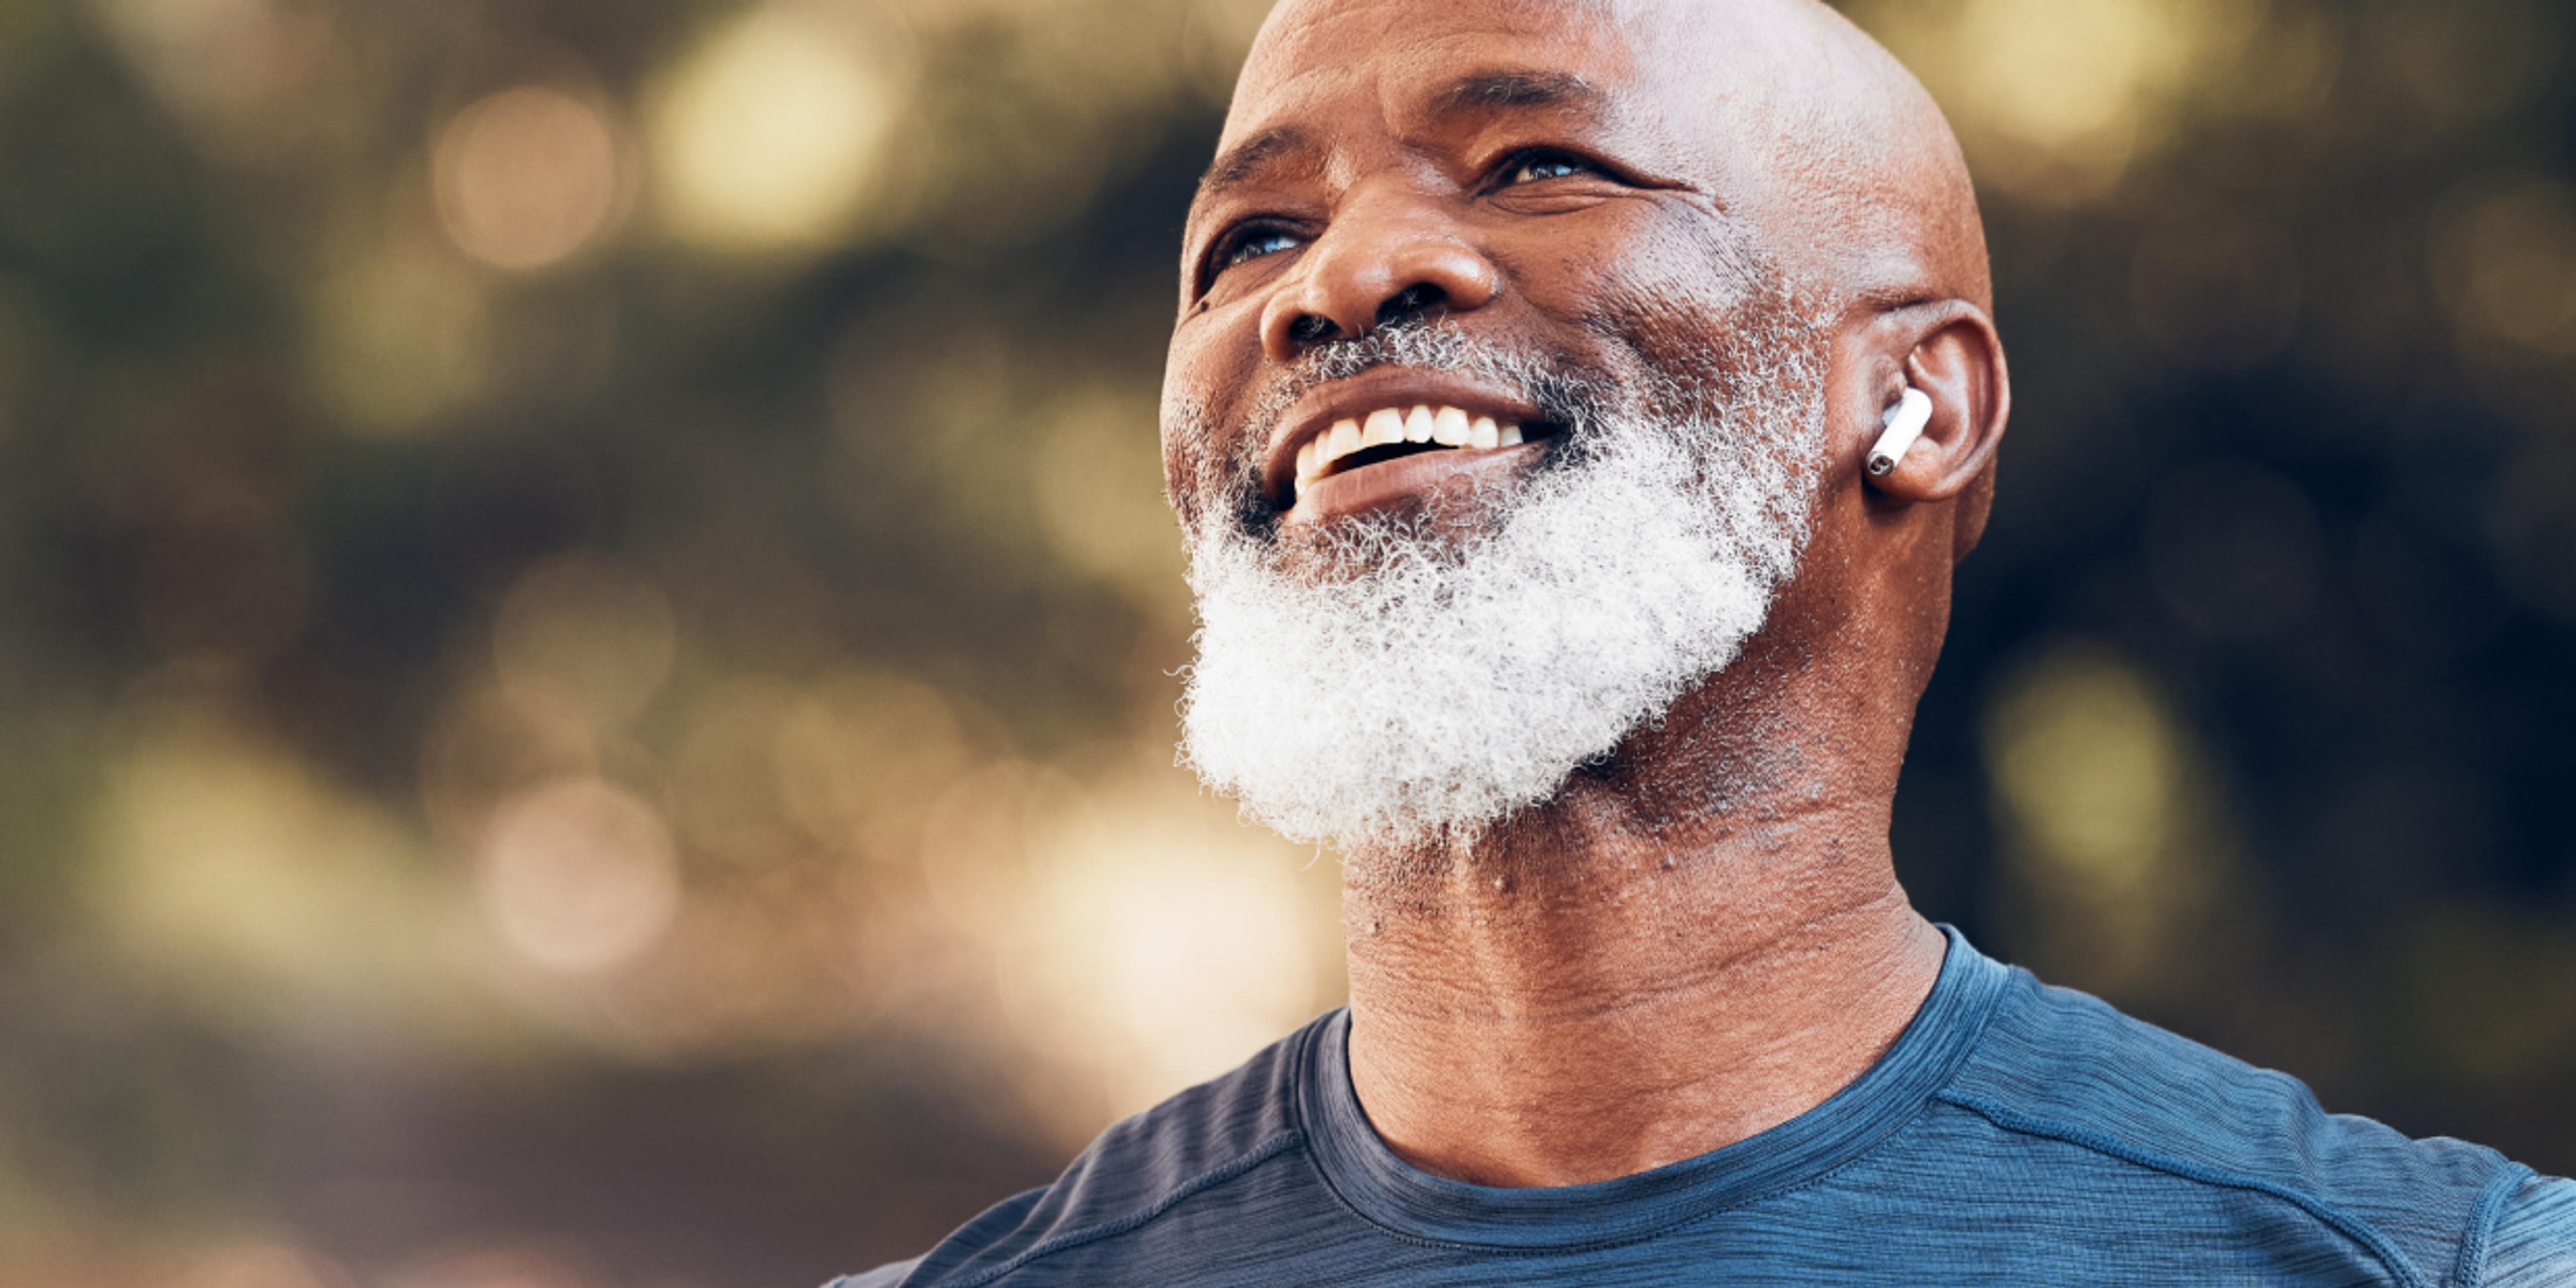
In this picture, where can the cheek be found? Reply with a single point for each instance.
(1659, 282)
(1213, 363)
(1182, 466)
(1208, 379)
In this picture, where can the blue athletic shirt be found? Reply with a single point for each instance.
(2015, 1134)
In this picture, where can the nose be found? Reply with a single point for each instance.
(1382, 260)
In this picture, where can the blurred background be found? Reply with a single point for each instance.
(586, 622)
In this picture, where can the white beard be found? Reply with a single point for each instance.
(1438, 686)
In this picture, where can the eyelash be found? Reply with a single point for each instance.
(1511, 171)
(1233, 251)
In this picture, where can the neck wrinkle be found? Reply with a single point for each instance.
(1625, 1000)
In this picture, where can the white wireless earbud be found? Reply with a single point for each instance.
(1905, 422)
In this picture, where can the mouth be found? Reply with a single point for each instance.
(1371, 447)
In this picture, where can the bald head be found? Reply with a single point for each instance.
(1867, 167)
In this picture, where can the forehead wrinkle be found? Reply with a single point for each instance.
(1518, 51)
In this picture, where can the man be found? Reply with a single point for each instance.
(1529, 355)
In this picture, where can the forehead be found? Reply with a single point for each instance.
(1320, 65)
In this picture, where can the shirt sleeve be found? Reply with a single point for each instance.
(2533, 1242)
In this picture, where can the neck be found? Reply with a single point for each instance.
(1590, 993)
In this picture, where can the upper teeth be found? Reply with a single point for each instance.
(1446, 426)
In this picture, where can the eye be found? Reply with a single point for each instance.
(1256, 243)
(1536, 167)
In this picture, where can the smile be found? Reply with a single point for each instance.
(1391, 437)
(1392, 432)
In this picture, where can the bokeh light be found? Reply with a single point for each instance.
(261, 889)
(2086, 761)
(526, 176)
(2055, 99)
(1159, 921)
(508, 1266)
(259, 1264)
(583, 631)
(579, 875)
(256, 78)
(2506, 258)
(398, 337)
(768, 135)
(2119, 865)
(860, 757)
(2061, 74)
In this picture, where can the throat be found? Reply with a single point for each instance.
(1513, 1037)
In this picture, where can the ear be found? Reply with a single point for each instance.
(1951, 353)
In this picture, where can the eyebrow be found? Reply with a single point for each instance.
(1240, 163)
(1486, 91)
(1476, 92)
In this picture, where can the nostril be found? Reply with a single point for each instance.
(1311, 327)
(1409, 301)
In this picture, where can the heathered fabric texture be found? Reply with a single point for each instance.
(2016, 1134)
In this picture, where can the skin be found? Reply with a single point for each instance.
(1705, 937)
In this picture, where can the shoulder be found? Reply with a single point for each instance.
(2533, 1241)
(2063, 1066)
(1137, 1170)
